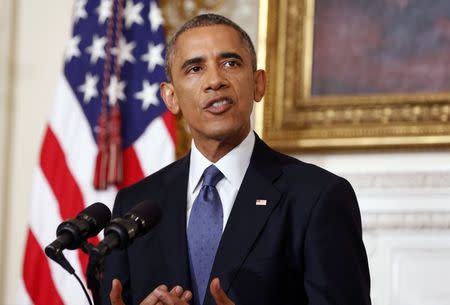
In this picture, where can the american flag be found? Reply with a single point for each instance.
(63, 183)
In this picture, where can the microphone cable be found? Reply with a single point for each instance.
(84, 288)
(68, 267)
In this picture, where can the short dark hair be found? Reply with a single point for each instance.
(201, 21)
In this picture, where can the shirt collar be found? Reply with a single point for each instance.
(233, 165)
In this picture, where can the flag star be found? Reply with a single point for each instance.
(116, 90)
(72, 49)
(80, 12)
(148, 95)
(133, 13)
(155, 17)
(104, 10)
(97, 48)
(154, 56)
(89, 88)
(124, 51)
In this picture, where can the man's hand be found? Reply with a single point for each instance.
(218, 294)
(177, 296)
(115, 296)
(162, 296)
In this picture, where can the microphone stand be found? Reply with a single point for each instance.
(94, 271)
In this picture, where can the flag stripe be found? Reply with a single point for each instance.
(73, 132)
(155, 147)
(22, 293)
(133, 171)
(64, 187)
(35, 258)
(43, 205)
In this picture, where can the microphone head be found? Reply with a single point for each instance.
(146, 214)
(97, 215)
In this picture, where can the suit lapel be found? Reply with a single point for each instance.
(247, 218)
(173, 229)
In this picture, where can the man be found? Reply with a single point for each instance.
(242, 224)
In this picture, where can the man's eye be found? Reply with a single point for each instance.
(231, 63)
(194, 69)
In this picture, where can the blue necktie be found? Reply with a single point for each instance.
(204, 232)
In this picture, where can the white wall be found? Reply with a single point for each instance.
(38, 39)
(5, 30)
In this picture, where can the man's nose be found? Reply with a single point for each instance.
(215, 79)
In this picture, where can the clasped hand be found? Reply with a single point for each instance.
(177, 296)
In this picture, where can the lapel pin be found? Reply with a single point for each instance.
(261, 202)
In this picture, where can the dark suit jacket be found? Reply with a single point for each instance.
(303, 247)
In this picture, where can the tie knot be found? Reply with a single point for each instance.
(212, 175)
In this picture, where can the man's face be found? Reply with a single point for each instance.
(213, 84)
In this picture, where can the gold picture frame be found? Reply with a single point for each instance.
(291, 119)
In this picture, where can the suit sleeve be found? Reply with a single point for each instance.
(336, 267)
(116, 265)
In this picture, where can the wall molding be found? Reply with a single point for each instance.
(398, 181)
(407, 220)
(415, 200)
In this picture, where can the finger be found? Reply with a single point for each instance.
(177, 290)
(152, 299)
(186, 296)
(115, 295)
(218, 294)
(169, 299)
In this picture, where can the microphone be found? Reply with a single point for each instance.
(121, 231)
(73, 232)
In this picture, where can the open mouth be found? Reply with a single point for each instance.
(218, 105)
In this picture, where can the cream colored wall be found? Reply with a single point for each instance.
(39, 36)
(5, 103)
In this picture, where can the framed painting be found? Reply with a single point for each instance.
(355, 74)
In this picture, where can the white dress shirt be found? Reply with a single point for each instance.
(233, 166)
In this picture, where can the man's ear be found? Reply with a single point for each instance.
(260, 85)
(169, 97)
